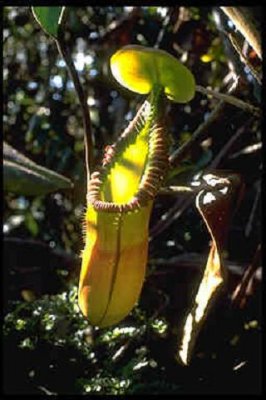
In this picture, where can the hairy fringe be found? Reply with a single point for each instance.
(155, 168)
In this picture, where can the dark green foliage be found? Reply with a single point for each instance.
(24, 177)
(49, 335)
(49, 18)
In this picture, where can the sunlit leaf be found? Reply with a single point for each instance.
(49, 18)
(216, 203)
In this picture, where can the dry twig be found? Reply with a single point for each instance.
(244, 24)
(231, 100)
(244, 288)
(243, 58)
(84, 106)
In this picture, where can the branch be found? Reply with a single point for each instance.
(194, 261)
(202, 131)
(164, 26)
(244, 288)
(253, 209)
(172, 215)
(225, 149)
(233, 39)
(199, 134)
(175, 189)
(84, 106)
(244, 24)
(231, 100)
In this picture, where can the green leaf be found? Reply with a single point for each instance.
(49, 18)
(23, 176)
(31, 224)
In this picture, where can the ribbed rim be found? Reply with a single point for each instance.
(154, 173)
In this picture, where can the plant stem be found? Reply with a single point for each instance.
(244, 24)
(244, 59)
(199, 134)
(84, 106)
(231, 100)
(240, 294)
(202, 131)
(225, 149)
(175, 189)
(192, 261)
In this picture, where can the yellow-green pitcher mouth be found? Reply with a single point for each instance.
(133, 168)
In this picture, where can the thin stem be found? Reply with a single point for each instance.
(172, 215)
(225, 149)
(253, 209)
(192, 261)
(199, 134)
(176, 189)
(240, 293)
(244, 24)
(231, 100)
(243, 58)
(84, 106)
(163, 28)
